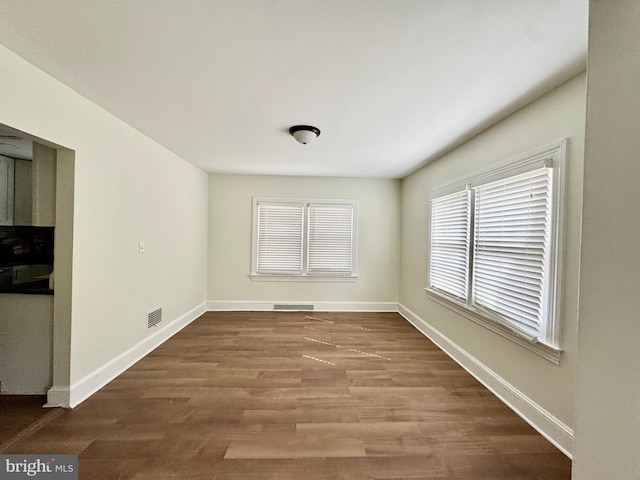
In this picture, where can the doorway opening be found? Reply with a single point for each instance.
(36, 207)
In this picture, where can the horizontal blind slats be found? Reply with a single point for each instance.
(511, 244)
(280, 238)
(330, 248)
(450, 238)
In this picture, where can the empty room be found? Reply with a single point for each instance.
(343, 239)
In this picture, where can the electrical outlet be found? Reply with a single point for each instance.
(141, 247)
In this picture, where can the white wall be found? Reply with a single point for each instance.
(230, 206)
(558, 114)
(607, 443)
(26, 343)
(126, 189)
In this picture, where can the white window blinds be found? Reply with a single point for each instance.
(330, 248)
(450, 237)
(280, 238)
(303, 238)
(495, 248)
(512, 223)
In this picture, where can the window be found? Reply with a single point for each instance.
(450, 237)
(303, 239)
(280, 238)
(495, 245)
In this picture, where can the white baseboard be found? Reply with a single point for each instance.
(57, 396)
(544, 422)
(252, 306)
(69, 397)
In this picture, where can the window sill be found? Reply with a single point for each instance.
(546, 351)
(256, 277)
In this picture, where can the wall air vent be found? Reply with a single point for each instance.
(154, 318)
(292, 307)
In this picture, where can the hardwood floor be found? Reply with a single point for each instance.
(309, 396)
(17, 412)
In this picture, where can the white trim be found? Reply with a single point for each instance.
(254, 306)
(518, 164)
(550, 427)
(262, 277)
(554, 156)
(69, 397)
(556, 246)
(547, 352)
(303, 275)
(57, 396)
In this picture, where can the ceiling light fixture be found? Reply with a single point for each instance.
(304, 133)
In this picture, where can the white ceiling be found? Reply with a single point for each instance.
(392, 84)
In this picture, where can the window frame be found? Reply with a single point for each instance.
(547, 344)
(305, 275)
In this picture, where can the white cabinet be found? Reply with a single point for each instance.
(7, 169)
(22, 193)
(28, 188)
(44, 185)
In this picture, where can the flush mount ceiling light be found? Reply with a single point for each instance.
(304, 133)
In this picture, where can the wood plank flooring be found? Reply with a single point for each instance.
(292, 395)
(17, 412)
